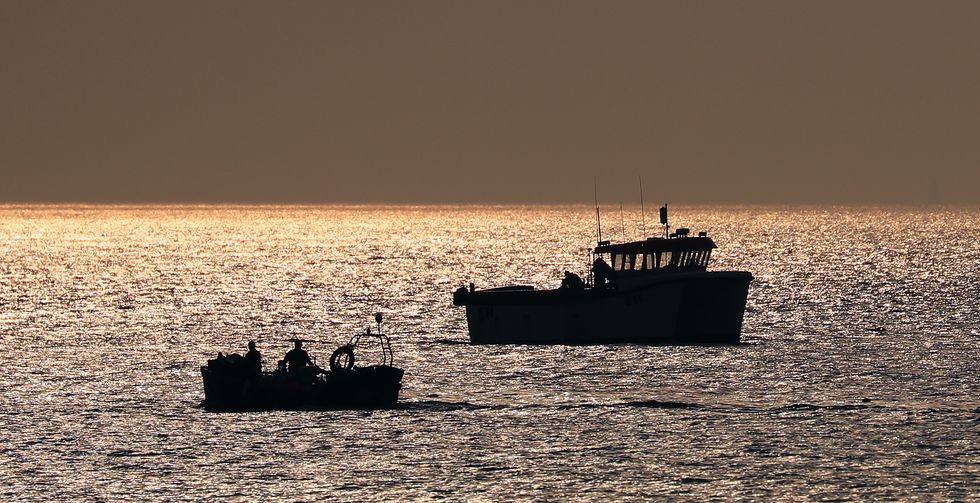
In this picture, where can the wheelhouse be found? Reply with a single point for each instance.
(678, 252)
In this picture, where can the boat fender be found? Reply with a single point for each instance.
(335, 359)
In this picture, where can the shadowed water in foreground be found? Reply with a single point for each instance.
(857, 377)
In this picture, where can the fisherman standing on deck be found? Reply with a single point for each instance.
(252, 361)
(297, 357)
(601, 272)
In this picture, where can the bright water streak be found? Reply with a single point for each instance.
(858, 379)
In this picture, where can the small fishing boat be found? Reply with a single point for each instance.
(654, 291)
(232, 383)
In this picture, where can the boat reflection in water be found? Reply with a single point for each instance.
(655, 291)
(231, 384)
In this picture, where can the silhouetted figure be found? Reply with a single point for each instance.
(252, 360)
(602, 273)
(297, 357)
(572, 281)
(250, 367)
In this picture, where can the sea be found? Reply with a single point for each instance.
(858, 376)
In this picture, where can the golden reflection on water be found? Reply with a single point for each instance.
(858, 378)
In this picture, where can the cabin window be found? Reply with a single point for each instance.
(648, 261)
(665, 259)
(617, 262)
(707, 257)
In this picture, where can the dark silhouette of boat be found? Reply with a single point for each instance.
(230, 385)
(654, 291)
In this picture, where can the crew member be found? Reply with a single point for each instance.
(572, 281)
(297, 357)
(601, 272)
(253, 360)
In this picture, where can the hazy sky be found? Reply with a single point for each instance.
(463, 101)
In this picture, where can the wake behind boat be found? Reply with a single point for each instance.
(656, 291)
(237, 383)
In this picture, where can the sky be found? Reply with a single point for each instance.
(490, 102)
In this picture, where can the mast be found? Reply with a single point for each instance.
(598, 222)
(622, 221)
(643, 223)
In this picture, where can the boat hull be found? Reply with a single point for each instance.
(374, 387)
(683, 308)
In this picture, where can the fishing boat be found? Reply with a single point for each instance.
(654, 291)
(231, 383)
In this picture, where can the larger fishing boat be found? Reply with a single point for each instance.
(655, 291)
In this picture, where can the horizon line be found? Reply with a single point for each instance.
(827, 204)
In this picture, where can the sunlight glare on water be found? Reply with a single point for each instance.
(857, 379)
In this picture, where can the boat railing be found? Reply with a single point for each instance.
(387, 357)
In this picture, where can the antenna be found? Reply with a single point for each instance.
(598, 222)
(622, 220)
(643, 223)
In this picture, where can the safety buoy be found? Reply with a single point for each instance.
(338, 362)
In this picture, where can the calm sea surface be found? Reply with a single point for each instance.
(858, 378)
